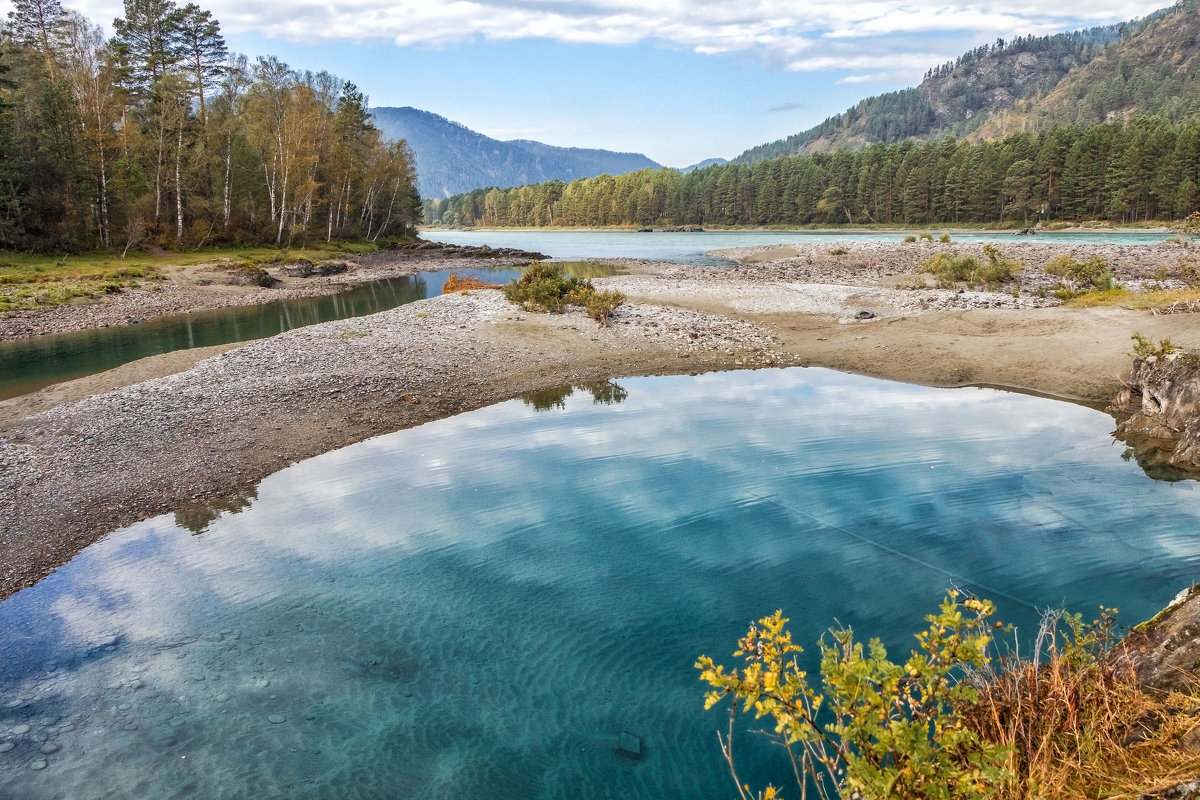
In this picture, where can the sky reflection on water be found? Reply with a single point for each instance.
(479, 606)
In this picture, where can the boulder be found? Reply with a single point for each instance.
(1158, 410)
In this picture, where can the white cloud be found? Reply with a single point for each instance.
(871, 77)
(798, 36)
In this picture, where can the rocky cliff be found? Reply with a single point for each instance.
(1158, 411)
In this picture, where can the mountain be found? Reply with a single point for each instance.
(1156, 71)
(708, 162)
(985, 90)
(452, 158)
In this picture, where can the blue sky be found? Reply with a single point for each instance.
(678, 80)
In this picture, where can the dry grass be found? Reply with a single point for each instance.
(1079, 728)
(1140, 301)
(466, 283)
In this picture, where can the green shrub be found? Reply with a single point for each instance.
(542, 287)
(545, 287)
(944, 238)
(599, 305)
(875, 728)
(953, 268)
(997, 270)
(950, 268)
(1145, 348)
(1080, 277)
(838, 251)
(926, 237)
(965, 716)
(910, 239)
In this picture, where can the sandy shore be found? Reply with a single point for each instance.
(191, 430)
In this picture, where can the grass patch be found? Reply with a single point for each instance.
(36, 281)
(589, 269)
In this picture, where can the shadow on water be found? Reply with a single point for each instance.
(1154, 457)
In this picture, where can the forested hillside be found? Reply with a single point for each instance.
(997, 88)
(1153, 71)
(1148, 169)
(160, 134)
(452, 158)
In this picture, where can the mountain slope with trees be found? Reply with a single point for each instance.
(452, 158)
(1148, 169)
(998, 88)
(1152, 71)
(159, 133)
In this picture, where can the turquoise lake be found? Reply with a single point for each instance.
(479, 607)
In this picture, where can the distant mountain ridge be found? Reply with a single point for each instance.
(708, 162)
(451, 158)
(986, 90)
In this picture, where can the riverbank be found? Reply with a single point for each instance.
(214, 285)
(180, 433)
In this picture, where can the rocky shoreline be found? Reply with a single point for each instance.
(209, 287)
(101, 454)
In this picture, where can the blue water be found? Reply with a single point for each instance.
(693, 248)
(477, 608)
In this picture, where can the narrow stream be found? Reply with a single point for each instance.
(27, 365)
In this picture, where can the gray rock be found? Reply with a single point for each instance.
(1164, 652)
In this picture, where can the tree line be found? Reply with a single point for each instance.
(1148, 169)
(160, 134)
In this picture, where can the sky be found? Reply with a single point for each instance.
(677, 80)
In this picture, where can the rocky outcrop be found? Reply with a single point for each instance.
(1158, 411)
(1164, 652)
(303, 268)
(445, 250)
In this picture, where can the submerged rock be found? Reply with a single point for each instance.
(1158, 411)
(630, 746)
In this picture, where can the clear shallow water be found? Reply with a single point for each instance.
(27, 365)
(691, 248)
(477, 608)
